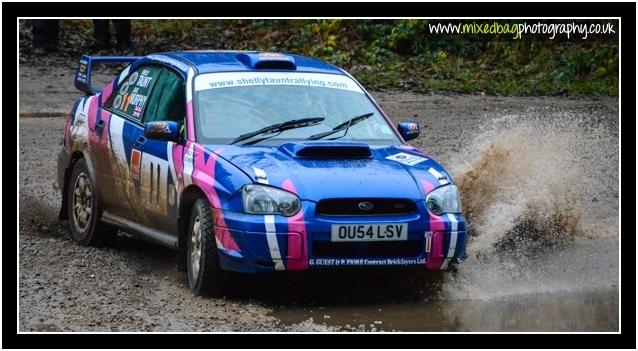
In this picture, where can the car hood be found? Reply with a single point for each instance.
(320, 170)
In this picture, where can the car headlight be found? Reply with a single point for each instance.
(445, 199)
(262, 199)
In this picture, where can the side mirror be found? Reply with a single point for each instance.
(164, 130)
(409, 129)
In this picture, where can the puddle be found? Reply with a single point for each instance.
(560, 312)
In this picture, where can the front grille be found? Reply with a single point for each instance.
(354, 207)
(407, 248)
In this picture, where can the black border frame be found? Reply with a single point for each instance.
(627, 337)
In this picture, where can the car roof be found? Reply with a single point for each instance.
(206, 61)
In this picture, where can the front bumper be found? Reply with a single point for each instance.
(303, 241)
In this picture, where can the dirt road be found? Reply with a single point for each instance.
(540, 185)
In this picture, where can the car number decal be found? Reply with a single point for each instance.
(136, 160)
(406, 159)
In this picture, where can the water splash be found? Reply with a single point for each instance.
(541, 195)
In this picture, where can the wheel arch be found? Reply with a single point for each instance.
(186, 202)
(75, 157)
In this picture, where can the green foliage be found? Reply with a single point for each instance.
(391, 54)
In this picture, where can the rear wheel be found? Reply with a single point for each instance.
(82, 205)
(205, 277)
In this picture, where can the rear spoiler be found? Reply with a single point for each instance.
(83, 73)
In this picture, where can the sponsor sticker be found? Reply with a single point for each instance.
(136, 161)
(270, 54)
(124, 88)
(413, 128)
(137, 111)
(145, 80)
(189, 156)
(81, 77)
(138, 99)
(126, 100)
(133, 78)
(406, 159)
(365, 261)
(260, 175)
(117, 102)
(428, 242)
(242, 79)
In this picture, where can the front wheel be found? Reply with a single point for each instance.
(205, 277)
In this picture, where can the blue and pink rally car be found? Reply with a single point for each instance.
(252, 161)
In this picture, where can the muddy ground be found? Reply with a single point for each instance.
(520, 276)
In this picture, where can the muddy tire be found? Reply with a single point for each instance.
(205, 277)
(83, 206)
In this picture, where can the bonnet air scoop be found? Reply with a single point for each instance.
(327, 150)
(267, 60)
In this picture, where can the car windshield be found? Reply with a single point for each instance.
(232, 104)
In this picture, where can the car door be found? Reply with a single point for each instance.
(126, 132)
(157, 184)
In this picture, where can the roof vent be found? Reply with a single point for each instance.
(267, 60)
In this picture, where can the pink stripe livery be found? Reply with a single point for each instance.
(190, 120)
(437, 227)
(103, 139)
(204, 177)
(296, 224)
(106, 93)
(92, 112)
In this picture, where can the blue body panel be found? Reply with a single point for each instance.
(225, 61)
(317, 179)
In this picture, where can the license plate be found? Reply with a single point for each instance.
(369, 232)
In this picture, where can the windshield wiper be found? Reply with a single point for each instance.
(278, 128)
(343, 126)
